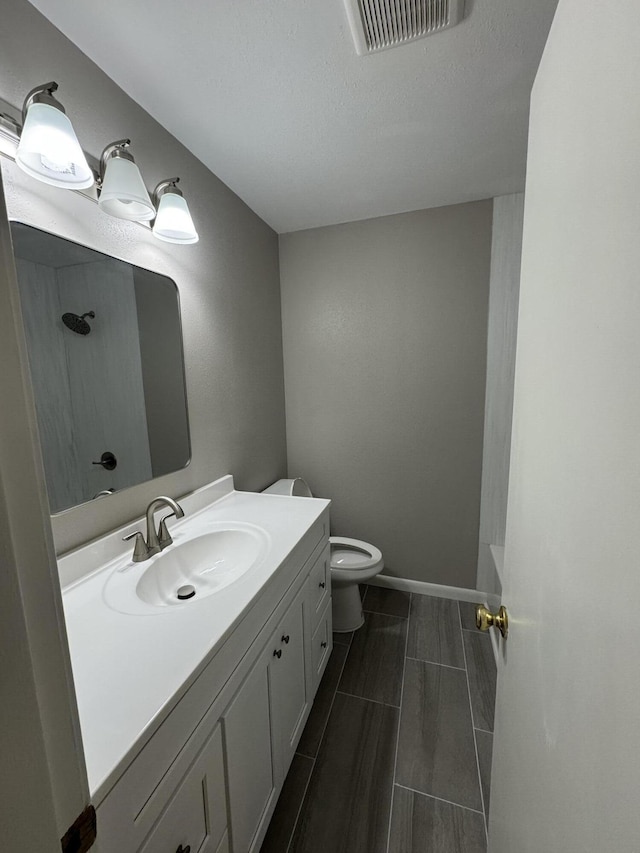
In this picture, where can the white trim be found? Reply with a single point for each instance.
(42, 744)
(458, 593)
(497, 552)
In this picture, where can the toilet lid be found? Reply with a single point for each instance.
(352, 554)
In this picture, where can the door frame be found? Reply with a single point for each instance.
(46, 787)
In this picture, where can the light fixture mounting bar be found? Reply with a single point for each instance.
(10, 122)
(9, 132)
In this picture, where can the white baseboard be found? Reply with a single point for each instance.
(423, 588)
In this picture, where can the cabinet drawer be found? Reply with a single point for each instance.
(319, 586)
(321, 645)
(196, 815)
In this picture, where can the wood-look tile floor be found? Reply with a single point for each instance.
(396, 754)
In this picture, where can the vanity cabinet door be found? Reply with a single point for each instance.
(196, 815)
(224, 844)
(288, 681)
(262, 727)
(252, 780)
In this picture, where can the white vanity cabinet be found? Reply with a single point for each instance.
(209, 777)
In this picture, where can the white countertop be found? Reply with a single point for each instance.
(130, 670)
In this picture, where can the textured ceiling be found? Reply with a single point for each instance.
(272, 97)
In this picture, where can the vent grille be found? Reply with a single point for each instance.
(381, 24)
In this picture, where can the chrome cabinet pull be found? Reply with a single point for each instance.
(277, 653)
(182, 849)
(285, 638)
(322, 584)
(323, 645)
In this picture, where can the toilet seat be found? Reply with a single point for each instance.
(353, 555)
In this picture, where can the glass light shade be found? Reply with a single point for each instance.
(49, 149)
(123, 193)
(173, 221)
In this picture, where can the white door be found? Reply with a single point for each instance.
(566, 773)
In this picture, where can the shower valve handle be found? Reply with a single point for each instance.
(107, 460)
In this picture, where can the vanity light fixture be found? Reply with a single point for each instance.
(49, 149)
(121, 190)
(173, 221)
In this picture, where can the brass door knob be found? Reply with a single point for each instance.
(485, 619)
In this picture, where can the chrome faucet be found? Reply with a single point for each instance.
(156, 541)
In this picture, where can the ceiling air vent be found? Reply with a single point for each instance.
(381, 24)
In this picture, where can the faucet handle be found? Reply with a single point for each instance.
(164, 537)
(140, 550)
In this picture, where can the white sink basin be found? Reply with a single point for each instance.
(199, 564)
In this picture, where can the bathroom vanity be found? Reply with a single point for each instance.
(191, 710)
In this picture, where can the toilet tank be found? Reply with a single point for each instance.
(295, 487)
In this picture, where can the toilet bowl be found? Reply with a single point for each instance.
(352, 562)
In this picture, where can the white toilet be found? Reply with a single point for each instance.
(352, 562)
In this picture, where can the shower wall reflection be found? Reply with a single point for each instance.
(111, 383)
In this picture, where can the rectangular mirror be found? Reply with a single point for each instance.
(105, 353)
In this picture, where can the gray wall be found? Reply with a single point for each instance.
(384, 331)
(228, 282)
(506, 248)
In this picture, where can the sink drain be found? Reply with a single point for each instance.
(185, 592)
